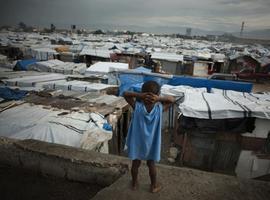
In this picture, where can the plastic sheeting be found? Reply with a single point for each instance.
(178, 91)
(209, 84)
(23, 64)
(35, 122)
(106, 67)
(42, 53)
(225, 104)
(168, 56)
(78, 86)
(45, 66)
(133, 81)
(9, 94)
(103, 53)
(57, 66)
(31, 81)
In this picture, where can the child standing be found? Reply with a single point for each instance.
(144, 135)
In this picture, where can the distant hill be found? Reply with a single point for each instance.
(258, 34)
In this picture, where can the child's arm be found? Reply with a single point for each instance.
(166, 101)
(130, 97)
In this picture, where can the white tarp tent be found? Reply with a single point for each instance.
(103, 53)
(106, 67)
(57, 66)
(173, 57)
(44, 66)
(225, 104)
(43, 53)
(178, 91)
(78, 86)
(32, 81)
(72, 129)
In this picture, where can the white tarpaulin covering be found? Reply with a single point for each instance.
(44, 66)
(73, 129)
(225, 104)
(103, 53)
(43, 53)
(57, 66)
(70, 68)
(173, 57)
(78, 86)
(180, 90)
(106, 67)
(31, 81)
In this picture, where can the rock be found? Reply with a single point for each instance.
(171, 160)
(173, 152)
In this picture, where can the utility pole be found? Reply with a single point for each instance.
(242, 29)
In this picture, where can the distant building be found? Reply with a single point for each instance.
(73, 28)
(188, 31)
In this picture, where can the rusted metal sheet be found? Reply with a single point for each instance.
(252, 143)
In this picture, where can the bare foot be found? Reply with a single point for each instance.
(134, 186)
(155, 189)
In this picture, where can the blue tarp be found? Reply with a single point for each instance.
(230, 85)
(129, 80)
(142, 69)
(22, 64)
(10, 94)
(133, 82)
(210, 83)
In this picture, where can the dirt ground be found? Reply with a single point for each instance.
(20, 184)
(186, 184)
(261, 87)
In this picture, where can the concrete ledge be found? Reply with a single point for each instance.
(63, 161)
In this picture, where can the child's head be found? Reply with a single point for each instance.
(151, 86)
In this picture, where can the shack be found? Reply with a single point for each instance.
(225, 131)
(170, 62)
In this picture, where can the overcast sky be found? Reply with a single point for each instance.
(223, 15)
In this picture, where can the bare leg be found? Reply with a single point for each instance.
(134, 173)
(153, 176)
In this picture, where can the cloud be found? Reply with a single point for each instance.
(205, 14)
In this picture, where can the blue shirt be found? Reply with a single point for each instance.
(144, 134)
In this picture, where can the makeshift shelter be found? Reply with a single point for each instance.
(106, 67)
(92, 55)
(238, 62)
(170, 62)
(42, 53)
(73, 129)
(57, 66)
(215, 131)
(82, 86)
(32, 81)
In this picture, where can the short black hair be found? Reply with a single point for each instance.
(151, 86)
